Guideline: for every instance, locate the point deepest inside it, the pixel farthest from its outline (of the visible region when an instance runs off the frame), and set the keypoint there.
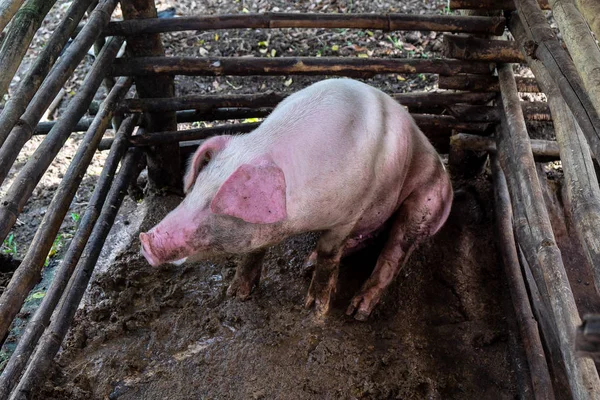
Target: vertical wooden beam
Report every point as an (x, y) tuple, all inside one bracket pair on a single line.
[(583, 192), (528, 327), (534, 232), (462, 162), (164, 172), (581, 44)]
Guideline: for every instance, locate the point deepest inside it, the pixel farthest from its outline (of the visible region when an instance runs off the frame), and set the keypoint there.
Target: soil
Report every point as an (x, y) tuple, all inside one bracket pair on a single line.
[(442, 331)]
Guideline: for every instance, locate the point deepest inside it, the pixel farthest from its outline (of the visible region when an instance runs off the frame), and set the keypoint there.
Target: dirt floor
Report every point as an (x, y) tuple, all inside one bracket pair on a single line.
[(444, 331), (440, 333)]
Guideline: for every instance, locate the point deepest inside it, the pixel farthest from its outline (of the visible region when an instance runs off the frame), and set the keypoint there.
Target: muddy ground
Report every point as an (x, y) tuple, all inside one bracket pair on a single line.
[(442, 331)]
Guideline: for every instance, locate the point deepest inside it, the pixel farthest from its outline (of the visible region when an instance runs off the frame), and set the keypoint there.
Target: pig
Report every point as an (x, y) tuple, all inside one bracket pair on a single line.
[(339, 157)]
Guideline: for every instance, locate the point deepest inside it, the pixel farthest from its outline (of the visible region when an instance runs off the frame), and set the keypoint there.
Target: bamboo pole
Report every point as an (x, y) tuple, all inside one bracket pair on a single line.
[(272, 20), (546, 48), (543, 150), (245, 66), (164, 170), (549, 336), (433, 125), (583, 192), (528, 328), (44, 127), (533, 111), (581, 44), (534, 232), (24, 25), (29, 271), (40, 320), (471, 48), (30, 83), (483, 83), (29, 176), (64, 68), (590, 9), (507, 5), (270, 99), (50, 342), (8, 9)]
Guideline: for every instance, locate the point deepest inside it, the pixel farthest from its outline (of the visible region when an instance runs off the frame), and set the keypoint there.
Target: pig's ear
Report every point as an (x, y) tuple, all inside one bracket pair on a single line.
[(201, 158), (254, 192)]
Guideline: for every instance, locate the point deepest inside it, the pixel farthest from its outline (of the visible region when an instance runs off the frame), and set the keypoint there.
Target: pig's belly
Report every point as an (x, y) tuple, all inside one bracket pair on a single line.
[(371, 224)]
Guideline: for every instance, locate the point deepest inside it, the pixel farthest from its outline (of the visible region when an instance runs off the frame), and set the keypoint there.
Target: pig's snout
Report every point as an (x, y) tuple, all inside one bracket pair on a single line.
[(146, 241)]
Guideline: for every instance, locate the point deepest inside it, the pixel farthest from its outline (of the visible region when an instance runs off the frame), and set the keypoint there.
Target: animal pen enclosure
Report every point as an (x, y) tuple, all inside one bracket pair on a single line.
[(478, 111)]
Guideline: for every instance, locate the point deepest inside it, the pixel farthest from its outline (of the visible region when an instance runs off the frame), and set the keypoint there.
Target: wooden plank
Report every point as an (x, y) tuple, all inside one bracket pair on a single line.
[(535, 235), (271, 20), (245, 66)]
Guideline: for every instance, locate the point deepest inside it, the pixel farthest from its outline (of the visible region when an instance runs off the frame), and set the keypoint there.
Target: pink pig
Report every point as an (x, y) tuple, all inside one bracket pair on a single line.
[(339, 157)]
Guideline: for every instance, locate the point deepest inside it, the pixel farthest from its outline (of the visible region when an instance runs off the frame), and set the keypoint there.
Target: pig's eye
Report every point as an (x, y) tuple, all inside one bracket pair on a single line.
[(205, 160)]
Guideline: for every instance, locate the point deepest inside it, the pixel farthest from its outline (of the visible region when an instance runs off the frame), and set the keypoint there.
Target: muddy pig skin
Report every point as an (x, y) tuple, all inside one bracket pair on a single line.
[(339, 157)]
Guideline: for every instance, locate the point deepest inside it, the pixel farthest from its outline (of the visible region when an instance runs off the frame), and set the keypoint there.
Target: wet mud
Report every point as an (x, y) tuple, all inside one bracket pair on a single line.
[(441, 332)]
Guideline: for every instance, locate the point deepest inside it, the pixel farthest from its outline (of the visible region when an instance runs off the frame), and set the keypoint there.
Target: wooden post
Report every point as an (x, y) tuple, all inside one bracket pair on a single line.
[(465, 163), (269, 20), (34, 77), (583, 192), (590, 10), (543, 150), (50, 342), (471, 48), (245, 66), (24, 25), (164, 172), (204, 103), (28, 272), (528, 328), (22, 132), (41, 318), (484, 83), (8, 9), (581, 44), (507, 5), (536, 237), (544, 46)]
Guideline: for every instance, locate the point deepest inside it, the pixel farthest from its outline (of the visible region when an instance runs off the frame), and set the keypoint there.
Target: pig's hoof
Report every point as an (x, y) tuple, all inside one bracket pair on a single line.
[(241, 290), (361, 306), (321, 302)]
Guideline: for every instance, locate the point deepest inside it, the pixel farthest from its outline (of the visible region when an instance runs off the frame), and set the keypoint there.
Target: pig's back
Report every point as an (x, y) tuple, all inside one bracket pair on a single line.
[(344, 148)]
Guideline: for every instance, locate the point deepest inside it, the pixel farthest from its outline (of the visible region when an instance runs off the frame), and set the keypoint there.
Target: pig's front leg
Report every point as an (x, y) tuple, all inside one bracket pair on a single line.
[(420, 216), (327, 261), (247, 275)]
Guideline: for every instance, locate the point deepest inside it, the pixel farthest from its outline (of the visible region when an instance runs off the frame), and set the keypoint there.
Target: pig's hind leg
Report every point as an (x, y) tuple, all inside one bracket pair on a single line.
[(420, 216), (326, 260), (247, 275)]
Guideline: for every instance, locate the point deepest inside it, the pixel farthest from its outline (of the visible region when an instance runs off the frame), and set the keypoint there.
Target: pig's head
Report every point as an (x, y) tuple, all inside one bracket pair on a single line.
[(227, 199)]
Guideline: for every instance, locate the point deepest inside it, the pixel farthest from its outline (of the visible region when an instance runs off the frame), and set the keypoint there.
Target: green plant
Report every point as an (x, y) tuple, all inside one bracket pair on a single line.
[(56, 246), (10, 245), (75, 217), (395, 42)]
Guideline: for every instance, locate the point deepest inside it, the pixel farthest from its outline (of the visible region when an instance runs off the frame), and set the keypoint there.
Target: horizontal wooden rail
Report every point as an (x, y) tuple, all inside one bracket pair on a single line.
[(508, 5), (543, 150), (435, 127), (269, 20), (483, 83), (245, 66), (470, 48), (271, 99), (533, 111)]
